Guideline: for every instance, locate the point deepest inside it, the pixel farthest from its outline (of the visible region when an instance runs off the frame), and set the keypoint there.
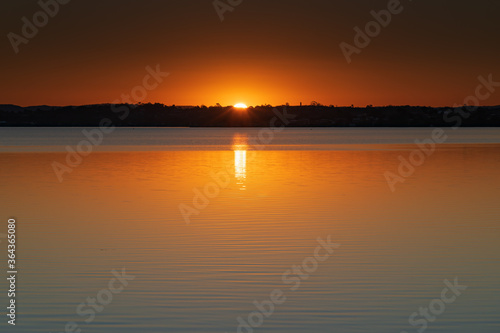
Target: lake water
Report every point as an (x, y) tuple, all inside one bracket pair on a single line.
[(253, 231)]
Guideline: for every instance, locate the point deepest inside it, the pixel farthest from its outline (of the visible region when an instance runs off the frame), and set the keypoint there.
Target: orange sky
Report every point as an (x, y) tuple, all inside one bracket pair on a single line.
[(263, 52)]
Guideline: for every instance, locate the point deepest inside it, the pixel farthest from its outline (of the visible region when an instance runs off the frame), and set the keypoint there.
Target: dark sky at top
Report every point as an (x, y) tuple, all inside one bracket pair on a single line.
[(265, 51)]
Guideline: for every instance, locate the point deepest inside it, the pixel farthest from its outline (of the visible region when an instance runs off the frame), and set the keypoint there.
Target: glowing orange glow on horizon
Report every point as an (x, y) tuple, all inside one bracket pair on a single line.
[(241, 106), (273, 63)]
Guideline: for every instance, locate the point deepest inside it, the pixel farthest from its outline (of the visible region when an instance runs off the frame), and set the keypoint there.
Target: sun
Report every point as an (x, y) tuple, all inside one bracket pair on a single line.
[(241, 106)]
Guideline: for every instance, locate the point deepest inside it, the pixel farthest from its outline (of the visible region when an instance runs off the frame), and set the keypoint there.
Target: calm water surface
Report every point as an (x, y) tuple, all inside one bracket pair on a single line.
[(121, 209)]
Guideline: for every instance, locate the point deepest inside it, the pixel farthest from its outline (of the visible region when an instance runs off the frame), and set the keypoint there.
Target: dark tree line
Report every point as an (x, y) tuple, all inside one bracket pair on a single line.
[(317, 115)]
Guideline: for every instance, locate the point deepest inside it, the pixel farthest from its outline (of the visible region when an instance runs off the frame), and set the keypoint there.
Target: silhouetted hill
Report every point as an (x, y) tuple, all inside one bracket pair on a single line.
[(159, 115)]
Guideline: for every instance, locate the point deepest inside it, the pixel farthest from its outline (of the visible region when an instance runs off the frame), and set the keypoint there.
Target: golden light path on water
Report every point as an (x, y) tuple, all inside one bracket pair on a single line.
[(240, 146), (397, 248)]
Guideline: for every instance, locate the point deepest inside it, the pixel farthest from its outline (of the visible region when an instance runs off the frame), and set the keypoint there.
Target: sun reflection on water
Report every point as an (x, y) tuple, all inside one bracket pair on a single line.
[(240, 146)]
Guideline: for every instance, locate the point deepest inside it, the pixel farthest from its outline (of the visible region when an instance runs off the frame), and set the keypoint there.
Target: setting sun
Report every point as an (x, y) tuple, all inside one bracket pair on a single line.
[(241, 106)]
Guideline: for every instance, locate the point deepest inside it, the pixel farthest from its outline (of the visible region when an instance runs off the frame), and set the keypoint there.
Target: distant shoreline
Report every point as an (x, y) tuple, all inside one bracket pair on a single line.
[(159, 115)]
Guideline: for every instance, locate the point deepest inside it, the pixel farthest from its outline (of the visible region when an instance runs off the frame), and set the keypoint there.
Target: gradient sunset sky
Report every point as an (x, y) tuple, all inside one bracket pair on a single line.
[(265, 51)]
